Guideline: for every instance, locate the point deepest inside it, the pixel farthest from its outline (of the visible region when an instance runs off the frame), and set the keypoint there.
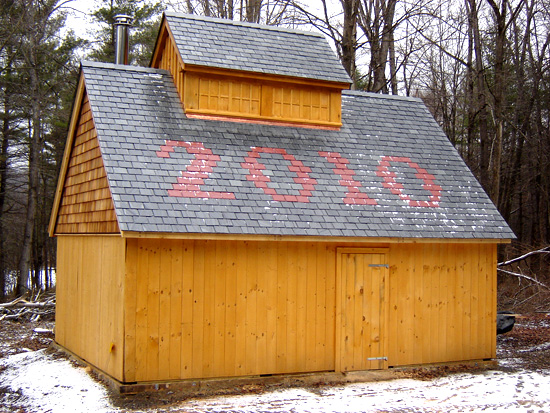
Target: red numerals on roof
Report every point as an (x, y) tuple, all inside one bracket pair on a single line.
[(255, 167), (397, 188), (354, 195), (190, 184)]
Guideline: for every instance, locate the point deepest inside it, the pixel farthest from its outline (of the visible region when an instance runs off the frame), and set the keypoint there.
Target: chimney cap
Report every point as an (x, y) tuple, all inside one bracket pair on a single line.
[(123, 19)]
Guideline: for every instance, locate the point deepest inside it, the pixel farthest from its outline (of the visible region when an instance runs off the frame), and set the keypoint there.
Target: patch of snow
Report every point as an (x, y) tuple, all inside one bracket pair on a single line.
[(42, 330), (493, 390), (52, 385), (540, 347)]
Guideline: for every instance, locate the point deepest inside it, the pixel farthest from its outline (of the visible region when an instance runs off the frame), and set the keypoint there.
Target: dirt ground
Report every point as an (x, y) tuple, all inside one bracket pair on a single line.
[(525, 348)]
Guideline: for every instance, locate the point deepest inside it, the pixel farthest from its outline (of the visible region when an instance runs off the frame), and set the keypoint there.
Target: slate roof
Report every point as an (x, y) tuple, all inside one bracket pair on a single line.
[(251, 47), (389, 171)]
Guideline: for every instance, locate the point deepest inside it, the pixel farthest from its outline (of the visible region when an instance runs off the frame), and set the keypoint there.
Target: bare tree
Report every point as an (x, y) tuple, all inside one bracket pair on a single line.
[(274, 12)]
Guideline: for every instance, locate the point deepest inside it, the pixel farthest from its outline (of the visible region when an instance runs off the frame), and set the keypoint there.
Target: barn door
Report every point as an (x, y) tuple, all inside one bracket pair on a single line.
[(361, 309)]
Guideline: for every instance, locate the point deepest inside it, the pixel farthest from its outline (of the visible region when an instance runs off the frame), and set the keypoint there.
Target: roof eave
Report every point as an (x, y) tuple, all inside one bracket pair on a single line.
[(309, 238)]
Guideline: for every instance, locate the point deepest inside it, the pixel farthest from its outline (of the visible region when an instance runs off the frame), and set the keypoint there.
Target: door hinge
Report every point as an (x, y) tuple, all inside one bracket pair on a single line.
[(379, 265), (377, 358)]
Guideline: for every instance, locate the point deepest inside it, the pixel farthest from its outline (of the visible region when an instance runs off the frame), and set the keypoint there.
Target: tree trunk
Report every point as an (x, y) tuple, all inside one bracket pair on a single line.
[(35, 150), (349, 38), (482, 107), (498, 94), (3, 182)]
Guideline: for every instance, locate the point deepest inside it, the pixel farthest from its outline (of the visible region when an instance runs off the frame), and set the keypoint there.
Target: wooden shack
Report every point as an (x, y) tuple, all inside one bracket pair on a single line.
[(234, 211)]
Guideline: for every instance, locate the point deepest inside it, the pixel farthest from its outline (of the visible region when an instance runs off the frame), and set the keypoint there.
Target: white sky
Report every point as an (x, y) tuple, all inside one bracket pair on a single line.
[(80, 21), (78, 18)]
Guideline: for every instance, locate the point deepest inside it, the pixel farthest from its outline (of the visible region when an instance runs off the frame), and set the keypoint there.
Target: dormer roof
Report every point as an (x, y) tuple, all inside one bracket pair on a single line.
[(228, 44)]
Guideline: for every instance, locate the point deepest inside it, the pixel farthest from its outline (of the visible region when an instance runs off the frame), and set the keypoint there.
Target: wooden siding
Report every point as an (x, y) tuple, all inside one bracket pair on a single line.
[(89, 311), (86, 205), (199, 309), (442, 303), (215, 309), (261, 99)]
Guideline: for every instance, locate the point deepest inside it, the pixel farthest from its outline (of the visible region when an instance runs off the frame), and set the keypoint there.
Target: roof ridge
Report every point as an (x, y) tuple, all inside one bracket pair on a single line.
[(243, 23), (380, 95), (103, 65)]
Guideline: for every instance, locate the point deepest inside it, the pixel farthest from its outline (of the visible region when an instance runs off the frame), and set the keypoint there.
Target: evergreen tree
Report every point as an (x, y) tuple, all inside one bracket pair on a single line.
[(39, 71), (143, 32)]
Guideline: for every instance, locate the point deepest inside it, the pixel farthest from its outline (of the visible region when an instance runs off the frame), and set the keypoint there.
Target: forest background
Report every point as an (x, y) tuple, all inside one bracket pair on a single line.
[(481, 66)]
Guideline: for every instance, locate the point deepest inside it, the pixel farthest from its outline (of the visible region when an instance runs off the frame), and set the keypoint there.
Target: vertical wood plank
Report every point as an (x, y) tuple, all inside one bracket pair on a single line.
[(198, 305), (241, 314), (153, 309), (174, 261), (130, 309), (492, 270), (209, 310), (311, 291), (331, 306), (432, 274), (419, 327), (321, 320), (219, 294), (261, 308), (231, 310), (358, 302), (271, 271), (282, 314), (189, 282), (291, 328), (251, 308), (301, 302), (165, 309)]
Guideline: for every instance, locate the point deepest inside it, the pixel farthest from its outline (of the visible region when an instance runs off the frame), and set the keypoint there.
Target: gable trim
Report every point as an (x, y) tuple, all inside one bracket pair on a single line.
[(77, 106), (164, 34)]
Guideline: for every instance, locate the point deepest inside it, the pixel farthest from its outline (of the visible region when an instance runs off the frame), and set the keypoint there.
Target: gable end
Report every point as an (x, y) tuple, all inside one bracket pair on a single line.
[(86, 205)]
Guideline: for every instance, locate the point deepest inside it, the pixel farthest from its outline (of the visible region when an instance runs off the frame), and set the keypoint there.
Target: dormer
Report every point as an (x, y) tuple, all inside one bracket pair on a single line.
[(243, 71)]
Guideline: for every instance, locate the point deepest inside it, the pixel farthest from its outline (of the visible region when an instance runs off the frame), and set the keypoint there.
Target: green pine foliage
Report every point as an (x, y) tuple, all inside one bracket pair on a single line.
[(143, 32)]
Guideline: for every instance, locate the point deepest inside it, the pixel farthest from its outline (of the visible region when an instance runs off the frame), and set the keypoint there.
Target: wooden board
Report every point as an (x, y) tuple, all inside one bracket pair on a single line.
[(89, 312)]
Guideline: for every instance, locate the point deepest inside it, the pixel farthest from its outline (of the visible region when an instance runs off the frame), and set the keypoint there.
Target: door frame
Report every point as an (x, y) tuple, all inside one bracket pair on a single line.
[(339, 299)]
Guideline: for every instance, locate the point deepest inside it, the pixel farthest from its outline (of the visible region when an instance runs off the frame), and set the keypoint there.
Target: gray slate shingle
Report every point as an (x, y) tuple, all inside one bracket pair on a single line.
[(374, 127), (252, 47)]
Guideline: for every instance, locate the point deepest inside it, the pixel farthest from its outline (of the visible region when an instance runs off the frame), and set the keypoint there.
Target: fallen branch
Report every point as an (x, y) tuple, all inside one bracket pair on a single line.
[(12, 303), (545, 250), (520, 275), (27, 304), (33, 309)]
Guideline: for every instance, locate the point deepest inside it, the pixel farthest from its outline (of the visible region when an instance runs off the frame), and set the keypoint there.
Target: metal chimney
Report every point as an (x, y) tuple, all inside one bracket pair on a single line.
[(122, 23)]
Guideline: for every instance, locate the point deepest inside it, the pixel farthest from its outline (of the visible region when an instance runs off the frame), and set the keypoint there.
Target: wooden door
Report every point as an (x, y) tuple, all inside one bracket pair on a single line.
[(361, 309)]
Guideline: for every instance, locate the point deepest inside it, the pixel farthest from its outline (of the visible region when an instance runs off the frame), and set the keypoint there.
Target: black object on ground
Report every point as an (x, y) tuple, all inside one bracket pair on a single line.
[(505, 321)]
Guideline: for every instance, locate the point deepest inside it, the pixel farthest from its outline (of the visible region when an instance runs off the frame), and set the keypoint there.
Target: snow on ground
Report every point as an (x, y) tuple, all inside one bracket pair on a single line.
[(493, 390), (42, 382)]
